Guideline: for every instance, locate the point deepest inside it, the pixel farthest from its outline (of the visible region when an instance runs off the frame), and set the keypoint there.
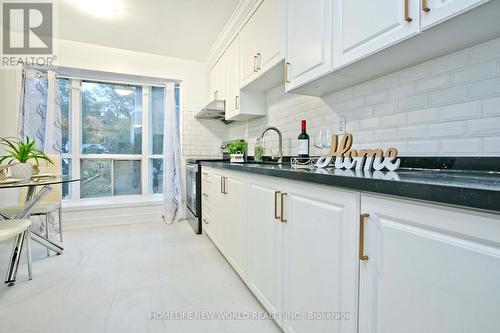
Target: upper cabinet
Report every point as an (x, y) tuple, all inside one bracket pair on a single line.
[(261, 41), (436, 11), (308, 40), (333, 44), (364, 27), (232, 78), (218, 79)]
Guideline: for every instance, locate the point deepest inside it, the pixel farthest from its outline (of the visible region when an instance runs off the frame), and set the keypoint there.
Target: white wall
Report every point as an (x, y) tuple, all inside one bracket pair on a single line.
[(448, 106)]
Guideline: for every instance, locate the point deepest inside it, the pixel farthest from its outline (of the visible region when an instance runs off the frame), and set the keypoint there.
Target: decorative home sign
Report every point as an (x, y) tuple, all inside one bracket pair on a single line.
[(347, 158)]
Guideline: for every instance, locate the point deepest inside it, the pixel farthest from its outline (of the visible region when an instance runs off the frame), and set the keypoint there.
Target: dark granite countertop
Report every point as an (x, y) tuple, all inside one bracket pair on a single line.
[(466, 188)]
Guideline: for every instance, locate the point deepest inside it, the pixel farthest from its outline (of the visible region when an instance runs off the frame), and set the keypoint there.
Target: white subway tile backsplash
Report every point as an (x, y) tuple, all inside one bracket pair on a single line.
[(369, 123), (491, 106), (461, 111), (492, 146), (448, 62), (471, 146), (450, 95), (433, 82), (394, 120), (485, 88), (401, 91), (482, 71), (414, 102), (485, 51), (446, 106), (423, 147), (450, 129), (376, 98), (423, 116), (484, 126)]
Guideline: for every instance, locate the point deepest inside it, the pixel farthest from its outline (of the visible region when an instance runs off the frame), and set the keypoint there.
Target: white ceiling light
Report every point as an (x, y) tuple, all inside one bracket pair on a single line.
[(102, 8), (123, 92)]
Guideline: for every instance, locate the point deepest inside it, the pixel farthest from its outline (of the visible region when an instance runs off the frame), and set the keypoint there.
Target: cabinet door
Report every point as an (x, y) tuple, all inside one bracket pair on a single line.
[(233, 78), (270, 26), (308, 40), (429, 269), (248, 51), (217, 214), (361, 28), (436, 11), (218, 79), (234, 222), (265, 247), (321, 264)]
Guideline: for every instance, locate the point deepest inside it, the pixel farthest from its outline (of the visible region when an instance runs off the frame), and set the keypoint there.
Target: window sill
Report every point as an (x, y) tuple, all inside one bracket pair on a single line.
[(113, 202)]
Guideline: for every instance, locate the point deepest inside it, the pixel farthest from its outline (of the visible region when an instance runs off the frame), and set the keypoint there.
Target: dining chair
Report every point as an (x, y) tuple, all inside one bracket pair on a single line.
[(13, 228), (50, 204)]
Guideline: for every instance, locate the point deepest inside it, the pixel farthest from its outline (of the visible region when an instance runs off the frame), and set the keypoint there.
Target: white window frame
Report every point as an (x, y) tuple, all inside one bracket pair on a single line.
[(75, 139)]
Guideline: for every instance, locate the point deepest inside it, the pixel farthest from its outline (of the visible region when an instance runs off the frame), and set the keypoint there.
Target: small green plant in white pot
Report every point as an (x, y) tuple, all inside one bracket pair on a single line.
[(18, 153), (237, 150)]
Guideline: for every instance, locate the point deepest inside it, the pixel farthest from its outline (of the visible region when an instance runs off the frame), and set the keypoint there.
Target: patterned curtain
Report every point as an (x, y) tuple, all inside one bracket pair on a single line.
[(173, 194), (40, 117)]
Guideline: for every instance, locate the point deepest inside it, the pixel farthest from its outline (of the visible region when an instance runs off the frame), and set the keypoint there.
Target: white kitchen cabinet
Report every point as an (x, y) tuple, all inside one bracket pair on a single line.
[(361, 27), (270, 29), (218, 79), (224, 211), (265, 242), (248, 51), (261, 41), (436, 11), (321, 264), (308, 41), (234, 221), (233, 79), (429, 269), (216, 218)]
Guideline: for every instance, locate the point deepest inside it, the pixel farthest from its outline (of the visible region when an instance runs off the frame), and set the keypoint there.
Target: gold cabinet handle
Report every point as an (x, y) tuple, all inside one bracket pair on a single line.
[(282, 218), (287, 65), (407, 15), (362, 219), (425, 6), (225, 185), (206, 221), (221, 186), (255, 63), (276, 216), (259, 61), (205, 195), (236, 102)]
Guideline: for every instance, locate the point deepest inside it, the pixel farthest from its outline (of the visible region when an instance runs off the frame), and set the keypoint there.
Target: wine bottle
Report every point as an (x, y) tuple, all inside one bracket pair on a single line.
[(303, 141)]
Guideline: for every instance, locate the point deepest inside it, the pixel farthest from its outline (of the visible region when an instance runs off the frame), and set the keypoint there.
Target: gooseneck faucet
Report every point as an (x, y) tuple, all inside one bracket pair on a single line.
[(280, 137)]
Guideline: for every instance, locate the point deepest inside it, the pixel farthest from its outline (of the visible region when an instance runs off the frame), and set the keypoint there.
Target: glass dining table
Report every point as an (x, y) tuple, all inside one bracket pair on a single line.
[(37, 189)]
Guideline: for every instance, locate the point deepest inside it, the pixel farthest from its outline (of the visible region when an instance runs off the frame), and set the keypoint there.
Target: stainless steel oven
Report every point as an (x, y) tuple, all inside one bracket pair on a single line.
[(193, 184)]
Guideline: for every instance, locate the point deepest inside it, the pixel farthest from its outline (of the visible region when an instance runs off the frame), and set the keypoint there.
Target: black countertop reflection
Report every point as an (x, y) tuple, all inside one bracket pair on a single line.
[(467, 188)]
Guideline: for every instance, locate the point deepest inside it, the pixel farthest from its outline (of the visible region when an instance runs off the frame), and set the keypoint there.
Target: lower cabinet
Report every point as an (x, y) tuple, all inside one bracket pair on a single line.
[(325, 259), (428, 269), (265, 243), (321, 263)]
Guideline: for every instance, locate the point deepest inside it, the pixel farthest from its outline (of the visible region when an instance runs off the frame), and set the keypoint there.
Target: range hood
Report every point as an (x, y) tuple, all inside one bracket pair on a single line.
[(214, 110)]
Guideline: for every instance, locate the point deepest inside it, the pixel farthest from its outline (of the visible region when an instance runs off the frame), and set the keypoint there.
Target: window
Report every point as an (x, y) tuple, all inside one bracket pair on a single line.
[(112, 134)]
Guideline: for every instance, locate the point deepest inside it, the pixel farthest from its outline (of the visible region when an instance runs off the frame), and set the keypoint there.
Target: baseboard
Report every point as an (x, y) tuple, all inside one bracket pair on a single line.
[(103, 217)]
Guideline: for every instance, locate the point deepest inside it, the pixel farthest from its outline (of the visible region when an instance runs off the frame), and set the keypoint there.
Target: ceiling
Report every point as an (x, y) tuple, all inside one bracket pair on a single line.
[(178, 28)]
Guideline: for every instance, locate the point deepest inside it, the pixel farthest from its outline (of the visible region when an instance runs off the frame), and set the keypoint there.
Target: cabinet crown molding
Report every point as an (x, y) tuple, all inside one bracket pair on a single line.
[(238, 19)]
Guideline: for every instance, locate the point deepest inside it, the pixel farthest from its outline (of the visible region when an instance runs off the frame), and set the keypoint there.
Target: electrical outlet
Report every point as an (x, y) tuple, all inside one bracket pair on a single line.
[(340, 125)]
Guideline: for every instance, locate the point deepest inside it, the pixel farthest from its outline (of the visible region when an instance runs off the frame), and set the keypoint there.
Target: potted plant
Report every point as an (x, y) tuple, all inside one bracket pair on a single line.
[(237, 151), (18, 153)]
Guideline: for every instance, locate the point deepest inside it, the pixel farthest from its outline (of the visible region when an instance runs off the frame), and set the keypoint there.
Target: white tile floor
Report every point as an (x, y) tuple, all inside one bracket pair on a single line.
[(111, 279)]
